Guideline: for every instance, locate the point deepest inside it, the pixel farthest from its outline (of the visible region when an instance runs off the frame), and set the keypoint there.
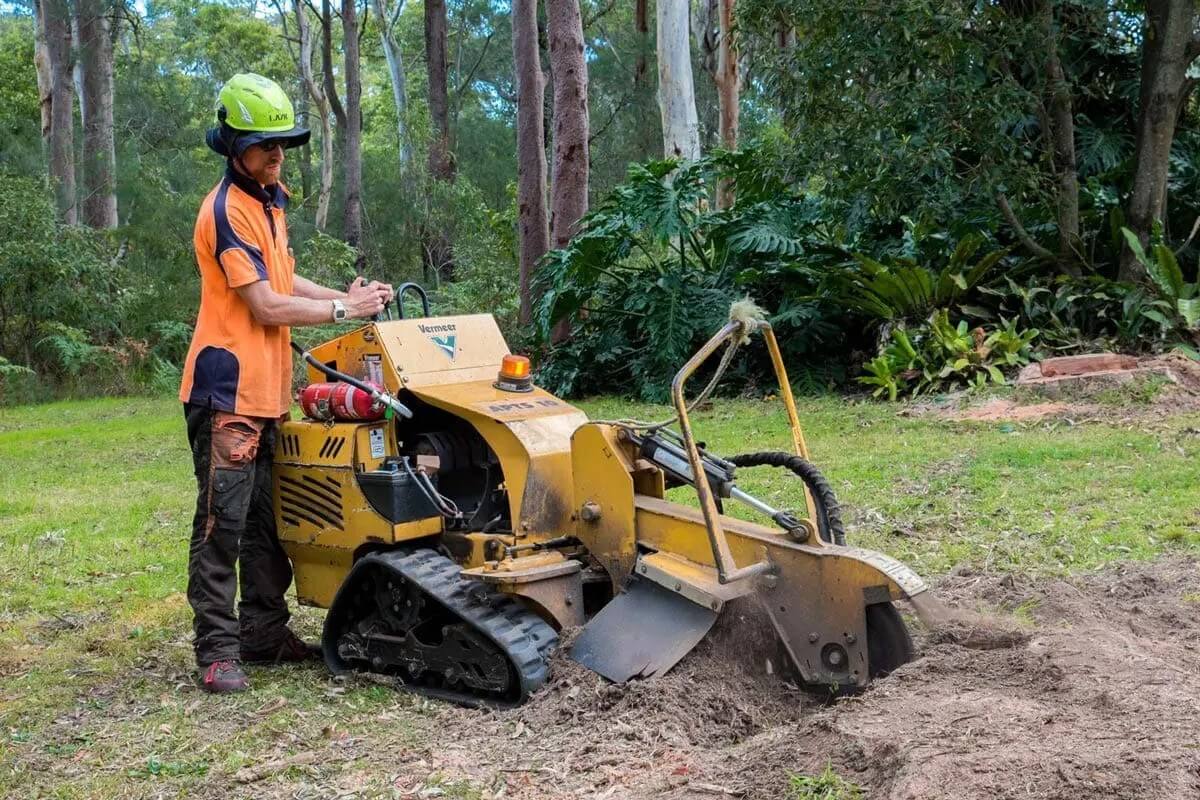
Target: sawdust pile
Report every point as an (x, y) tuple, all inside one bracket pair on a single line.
[(1097, 697)]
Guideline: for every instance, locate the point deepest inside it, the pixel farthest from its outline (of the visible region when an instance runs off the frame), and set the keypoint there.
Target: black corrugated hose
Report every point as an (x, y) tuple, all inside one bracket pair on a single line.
[(829, 513)]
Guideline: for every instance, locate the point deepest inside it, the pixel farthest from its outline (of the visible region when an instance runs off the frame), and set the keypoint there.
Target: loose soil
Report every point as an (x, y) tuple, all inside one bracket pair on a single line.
[(1074, 688)]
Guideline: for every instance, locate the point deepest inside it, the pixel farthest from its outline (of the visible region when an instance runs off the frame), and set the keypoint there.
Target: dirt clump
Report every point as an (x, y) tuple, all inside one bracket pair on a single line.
[(1091, 694), (1010, 410)]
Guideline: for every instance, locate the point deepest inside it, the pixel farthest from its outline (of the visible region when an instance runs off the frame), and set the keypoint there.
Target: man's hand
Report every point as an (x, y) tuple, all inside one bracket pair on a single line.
[(366, 299), (385, 288)]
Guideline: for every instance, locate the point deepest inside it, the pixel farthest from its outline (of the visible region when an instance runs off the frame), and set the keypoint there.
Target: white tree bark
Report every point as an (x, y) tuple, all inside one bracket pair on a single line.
[(54, 28), (676, 90), (317, 93), (532, 230), (728, 93), (352, 228), (395, 62)]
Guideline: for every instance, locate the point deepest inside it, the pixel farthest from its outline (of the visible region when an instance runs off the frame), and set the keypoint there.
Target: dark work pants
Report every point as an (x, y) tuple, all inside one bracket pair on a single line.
[(234, 531)]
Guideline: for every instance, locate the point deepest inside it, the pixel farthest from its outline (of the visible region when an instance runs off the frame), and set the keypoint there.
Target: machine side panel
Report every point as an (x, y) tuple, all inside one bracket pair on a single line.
[(601, 469), (322, 515)]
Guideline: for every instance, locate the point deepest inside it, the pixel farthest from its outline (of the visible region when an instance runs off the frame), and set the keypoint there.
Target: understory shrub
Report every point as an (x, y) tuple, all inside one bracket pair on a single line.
[(654, 269), (941, 355)]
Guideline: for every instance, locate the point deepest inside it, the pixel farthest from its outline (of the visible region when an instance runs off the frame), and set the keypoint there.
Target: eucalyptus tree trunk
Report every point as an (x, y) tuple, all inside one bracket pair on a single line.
[(304, 118), (395, 62), (438, 249), (532, 231), (352, 213), (676, 91), (1059, 117), (569, 180), (95, 79), (41, 63), (641, 24), (327, 77), (54, 28), (441, 160), (321, 101), (728, 91), (1168, 48)]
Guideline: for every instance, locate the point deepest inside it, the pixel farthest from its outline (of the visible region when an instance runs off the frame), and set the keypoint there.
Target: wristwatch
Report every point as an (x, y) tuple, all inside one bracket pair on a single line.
[(339, 311)]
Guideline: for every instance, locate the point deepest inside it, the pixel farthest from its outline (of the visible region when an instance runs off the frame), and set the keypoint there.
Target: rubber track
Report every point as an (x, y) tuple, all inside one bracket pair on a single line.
[(522, 635), (829, 512)]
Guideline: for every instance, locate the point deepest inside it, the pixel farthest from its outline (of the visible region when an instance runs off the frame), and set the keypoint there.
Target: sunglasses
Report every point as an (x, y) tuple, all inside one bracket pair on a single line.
[(269, 145)]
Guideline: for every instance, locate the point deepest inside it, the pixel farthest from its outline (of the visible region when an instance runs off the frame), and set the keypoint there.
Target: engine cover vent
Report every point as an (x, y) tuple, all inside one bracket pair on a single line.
[(313, 500), (333, 446), (289, 443)]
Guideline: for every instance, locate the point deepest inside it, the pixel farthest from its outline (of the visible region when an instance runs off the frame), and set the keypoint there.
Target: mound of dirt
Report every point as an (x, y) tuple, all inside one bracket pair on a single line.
[(1097, 697)]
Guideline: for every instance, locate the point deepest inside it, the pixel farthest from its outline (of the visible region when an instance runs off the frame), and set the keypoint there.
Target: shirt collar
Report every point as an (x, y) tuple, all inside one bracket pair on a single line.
[(276, 194)]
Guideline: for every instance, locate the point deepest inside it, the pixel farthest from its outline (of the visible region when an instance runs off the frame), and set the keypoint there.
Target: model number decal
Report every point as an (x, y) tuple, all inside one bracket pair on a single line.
[(522, 408)]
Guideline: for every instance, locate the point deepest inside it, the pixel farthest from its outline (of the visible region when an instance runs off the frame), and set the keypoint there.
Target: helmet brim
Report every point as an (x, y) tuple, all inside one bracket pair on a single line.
[(296, 137)]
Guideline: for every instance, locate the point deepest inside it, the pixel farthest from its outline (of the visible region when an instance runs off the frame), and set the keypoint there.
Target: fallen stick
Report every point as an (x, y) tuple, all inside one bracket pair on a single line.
[(269, 768)]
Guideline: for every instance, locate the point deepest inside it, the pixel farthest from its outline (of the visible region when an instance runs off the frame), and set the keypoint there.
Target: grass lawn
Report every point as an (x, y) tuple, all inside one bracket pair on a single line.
[(96, 497)]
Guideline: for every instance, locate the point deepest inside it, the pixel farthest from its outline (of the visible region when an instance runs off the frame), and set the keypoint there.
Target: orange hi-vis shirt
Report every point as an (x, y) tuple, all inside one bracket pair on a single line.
[(236, 364)]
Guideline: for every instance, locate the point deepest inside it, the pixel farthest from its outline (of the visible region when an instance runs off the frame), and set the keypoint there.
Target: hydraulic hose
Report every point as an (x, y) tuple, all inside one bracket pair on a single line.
[(829, 513)]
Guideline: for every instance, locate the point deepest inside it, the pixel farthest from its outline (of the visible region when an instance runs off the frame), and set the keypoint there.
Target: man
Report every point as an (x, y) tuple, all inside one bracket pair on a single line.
[(237, 384)]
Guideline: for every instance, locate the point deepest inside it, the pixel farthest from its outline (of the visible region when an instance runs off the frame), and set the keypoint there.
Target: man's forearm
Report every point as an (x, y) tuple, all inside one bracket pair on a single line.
[(270, 308), (303, 287)]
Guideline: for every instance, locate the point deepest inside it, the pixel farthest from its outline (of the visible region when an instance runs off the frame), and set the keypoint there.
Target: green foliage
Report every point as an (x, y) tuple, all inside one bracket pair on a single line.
[(654, 269), (941, 355), (901, 108), (1174, 306), (828, 785), (486, 279), (19, 108), (327, 260), (907, 290), (65, 298), (14, 378), (1073, 314)]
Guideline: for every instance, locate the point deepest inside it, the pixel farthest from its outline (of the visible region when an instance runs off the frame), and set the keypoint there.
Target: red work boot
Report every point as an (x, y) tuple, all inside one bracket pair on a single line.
[(224, 677), (290, 649)]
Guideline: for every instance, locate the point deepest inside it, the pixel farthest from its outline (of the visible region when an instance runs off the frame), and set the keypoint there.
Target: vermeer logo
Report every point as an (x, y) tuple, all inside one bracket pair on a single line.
[(444, 336)]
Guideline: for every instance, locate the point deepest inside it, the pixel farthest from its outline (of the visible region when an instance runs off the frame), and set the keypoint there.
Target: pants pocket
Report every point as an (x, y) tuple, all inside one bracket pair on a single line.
[(235, 439), (231, 493)]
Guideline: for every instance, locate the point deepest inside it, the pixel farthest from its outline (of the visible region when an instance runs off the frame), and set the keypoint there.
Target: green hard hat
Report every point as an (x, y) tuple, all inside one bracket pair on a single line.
[(252, 109)]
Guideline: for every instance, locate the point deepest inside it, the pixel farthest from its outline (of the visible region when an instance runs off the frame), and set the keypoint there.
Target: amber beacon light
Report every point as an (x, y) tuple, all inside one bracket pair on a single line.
[(514, 374)]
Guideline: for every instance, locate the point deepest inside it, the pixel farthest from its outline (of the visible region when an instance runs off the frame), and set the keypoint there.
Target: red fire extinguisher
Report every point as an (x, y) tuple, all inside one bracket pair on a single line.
[(339, 401)]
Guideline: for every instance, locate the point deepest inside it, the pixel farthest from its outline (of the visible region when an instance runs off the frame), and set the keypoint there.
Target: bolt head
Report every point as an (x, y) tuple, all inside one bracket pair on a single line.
[(813, 638)]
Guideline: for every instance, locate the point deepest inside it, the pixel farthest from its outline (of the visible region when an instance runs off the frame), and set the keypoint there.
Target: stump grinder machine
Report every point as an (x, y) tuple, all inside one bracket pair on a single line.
[(454, 518)]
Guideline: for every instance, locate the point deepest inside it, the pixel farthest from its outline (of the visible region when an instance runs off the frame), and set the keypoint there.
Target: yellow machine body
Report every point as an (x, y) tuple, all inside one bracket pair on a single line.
[(562, 476)]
